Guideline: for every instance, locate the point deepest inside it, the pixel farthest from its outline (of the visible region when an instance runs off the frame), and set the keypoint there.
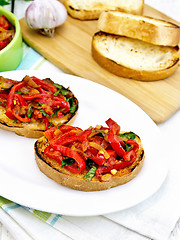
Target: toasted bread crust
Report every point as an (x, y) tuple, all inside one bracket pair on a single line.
[(89, 13), (75, 181), (148, 29), (29, 131), (123, 71)]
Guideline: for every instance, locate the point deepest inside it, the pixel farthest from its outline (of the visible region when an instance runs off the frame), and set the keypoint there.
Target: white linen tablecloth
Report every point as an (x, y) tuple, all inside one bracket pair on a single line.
[(155, 218)]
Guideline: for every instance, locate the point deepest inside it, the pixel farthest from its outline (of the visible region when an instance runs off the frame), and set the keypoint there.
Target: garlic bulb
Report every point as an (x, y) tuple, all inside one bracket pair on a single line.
[(45, 16)]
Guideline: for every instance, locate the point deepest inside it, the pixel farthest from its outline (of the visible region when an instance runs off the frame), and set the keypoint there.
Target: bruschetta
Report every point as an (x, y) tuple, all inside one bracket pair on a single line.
[(95, 159), (31, 106)]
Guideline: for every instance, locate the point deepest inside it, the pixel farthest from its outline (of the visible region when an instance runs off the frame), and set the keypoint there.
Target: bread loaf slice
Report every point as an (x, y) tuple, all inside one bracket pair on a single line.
[(132, 58), (144, 28), (91, 9)]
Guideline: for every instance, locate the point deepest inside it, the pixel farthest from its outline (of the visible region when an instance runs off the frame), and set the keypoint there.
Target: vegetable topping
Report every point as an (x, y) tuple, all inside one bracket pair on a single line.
[(7, 32), (94, 151), (34, 99)]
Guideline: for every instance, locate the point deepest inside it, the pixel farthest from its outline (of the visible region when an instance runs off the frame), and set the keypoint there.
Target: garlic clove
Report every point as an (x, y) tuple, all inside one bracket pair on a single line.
[(45, 15)]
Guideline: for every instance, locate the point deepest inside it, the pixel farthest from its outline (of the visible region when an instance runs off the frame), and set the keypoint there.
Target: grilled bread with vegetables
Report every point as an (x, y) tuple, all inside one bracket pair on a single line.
[(31, 106), (136, 47), (91, 9), (95, 159)]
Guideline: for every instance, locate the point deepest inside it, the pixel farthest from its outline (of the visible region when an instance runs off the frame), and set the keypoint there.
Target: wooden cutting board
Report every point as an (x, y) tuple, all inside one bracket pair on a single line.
[(70, 50)]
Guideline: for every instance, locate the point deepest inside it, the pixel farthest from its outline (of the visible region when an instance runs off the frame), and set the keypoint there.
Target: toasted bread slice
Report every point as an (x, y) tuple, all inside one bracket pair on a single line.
[(144, 28), (59, 174), (91, 9), (132, 58), (36, 127)]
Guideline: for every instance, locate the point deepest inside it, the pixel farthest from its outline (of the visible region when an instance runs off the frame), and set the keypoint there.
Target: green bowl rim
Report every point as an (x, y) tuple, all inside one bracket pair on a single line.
[(15, 22)]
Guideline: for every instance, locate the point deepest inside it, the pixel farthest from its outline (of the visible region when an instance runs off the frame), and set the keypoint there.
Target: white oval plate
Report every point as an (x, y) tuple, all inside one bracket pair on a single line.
[(21, 181)]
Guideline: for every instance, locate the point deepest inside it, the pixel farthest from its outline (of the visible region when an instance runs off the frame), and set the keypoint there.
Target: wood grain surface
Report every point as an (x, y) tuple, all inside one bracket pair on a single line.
[(70, 50)]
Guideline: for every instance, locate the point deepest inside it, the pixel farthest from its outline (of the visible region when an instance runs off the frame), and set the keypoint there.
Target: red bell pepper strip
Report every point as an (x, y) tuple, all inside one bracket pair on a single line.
[(65, 151), (66, 138), (21, 119), (49, 134), (11, 93), (3, 97), (10, 103), (103, 169), (61, 103), (112, 138), (41, 90), (65, 128), (3, 43), (34, 96), (7, 31), (130, 156), (60, 114), (4, 22), (113, 125), (56, 155), (117, 166), (50, 102), (21, 99), (46, 122), (48, 86), (72, 168), (116, 145), (99, 159), (134, 144)]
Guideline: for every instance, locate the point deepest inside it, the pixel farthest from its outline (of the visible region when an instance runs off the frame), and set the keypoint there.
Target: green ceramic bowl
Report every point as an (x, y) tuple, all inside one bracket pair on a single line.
[(11, 55)]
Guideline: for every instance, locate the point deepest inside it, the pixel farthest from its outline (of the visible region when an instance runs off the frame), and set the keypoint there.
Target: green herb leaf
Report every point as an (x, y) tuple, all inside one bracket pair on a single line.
[(2, 103), (25, 92), (57, 93), (72, 105), (43, 112), (88, 177), (127, 147), (29, 112), (58, 86), (60, 89), (54, 114), (128, 135), (73, 108), (51, 124), (64, 92), (18, 92), (67, 161), (40, 104)]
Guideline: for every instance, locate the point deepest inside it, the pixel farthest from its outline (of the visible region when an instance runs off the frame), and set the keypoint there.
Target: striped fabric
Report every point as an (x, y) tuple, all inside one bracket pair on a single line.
[(49, 218), (31, 59), (64, 228)]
